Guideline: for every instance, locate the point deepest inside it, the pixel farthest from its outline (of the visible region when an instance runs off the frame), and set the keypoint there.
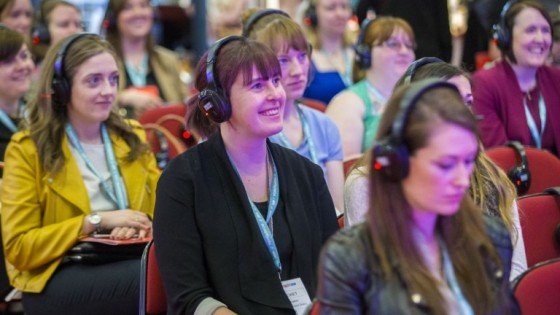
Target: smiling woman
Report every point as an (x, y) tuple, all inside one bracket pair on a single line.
[(16, 67), (76, 169), (150, 73), (518, 99), (239, 218)]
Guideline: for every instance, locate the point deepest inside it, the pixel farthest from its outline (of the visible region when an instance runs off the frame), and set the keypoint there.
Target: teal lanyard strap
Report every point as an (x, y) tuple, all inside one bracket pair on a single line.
[(274, 195), (373, 90), (535, 134), (307, 137), (118, 197), (464, 306), (7, 121), (138, 76)]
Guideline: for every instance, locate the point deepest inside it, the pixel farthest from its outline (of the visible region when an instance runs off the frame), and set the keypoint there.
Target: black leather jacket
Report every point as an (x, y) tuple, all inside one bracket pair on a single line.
[(351, 280)]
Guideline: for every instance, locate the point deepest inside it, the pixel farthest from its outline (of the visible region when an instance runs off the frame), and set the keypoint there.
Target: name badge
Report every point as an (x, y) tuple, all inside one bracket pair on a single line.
[(296, 292)]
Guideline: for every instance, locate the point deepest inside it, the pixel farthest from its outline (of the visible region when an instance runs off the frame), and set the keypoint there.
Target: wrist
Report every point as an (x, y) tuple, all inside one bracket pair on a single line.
[(95, 219)]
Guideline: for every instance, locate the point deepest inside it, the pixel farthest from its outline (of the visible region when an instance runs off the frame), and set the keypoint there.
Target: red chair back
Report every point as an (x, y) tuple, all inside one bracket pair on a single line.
[(539, 215), (340, 220), (538, 289), (152, 295), (163, 142), (544, 167), (315, 104), (172, 118)]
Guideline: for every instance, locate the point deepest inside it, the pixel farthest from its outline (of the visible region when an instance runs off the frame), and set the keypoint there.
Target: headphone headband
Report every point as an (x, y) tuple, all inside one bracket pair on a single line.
[(212, 101), (212, 57), (390, 154), (500, 31), (363, 50), (60, 84), (410, 98), (255, 17), (413, 67), (520, 174)]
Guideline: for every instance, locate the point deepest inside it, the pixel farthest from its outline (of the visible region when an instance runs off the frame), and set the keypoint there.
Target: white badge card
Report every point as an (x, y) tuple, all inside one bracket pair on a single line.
[(296, 292)]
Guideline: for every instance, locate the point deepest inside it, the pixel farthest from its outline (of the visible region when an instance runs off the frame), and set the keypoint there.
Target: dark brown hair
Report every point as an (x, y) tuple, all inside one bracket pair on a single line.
[(237, 57), (10, 43), (114, 9)]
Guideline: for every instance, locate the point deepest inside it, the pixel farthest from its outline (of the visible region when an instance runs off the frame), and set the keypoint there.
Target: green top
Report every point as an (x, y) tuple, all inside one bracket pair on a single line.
[(371, 117)]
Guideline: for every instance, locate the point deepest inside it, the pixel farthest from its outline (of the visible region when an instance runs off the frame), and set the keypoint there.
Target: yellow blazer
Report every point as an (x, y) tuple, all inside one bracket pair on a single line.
[(42, 212)]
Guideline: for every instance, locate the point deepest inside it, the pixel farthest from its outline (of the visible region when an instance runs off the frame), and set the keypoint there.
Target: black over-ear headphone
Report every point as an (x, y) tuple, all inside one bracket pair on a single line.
[(310, 15), (500, 31), (520, 174), (60, 84), (255, 17), (213, 101), (40, 33), (390, 154), (363, 50), (413, 67)]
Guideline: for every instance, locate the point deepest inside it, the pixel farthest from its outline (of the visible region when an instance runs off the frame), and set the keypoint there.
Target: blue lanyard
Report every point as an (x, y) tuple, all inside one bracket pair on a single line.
[(6, 121), (306, 137), (274, 195), (373, 90), (119, 196), (347, 77), (537, 137), (464, 306), (138, 77)]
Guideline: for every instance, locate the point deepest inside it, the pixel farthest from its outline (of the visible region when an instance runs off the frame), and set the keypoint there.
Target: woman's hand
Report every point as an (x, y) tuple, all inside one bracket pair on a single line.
[(223, 311), (139, 100), (126, 224)]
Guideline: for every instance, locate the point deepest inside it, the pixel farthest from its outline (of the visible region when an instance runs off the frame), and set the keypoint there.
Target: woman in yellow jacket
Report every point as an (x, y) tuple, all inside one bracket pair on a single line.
[(78, 169)]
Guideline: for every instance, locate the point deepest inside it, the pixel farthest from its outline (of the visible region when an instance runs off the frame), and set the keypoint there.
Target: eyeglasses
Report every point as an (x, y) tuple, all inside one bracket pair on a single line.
[(396, 45)]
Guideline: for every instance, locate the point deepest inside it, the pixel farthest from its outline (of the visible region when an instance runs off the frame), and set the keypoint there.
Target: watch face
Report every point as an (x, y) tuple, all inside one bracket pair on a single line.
[(94, 219)]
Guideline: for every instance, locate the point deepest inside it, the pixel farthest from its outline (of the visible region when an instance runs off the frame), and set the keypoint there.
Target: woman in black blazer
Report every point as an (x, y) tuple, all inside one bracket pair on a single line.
[(239, 220)]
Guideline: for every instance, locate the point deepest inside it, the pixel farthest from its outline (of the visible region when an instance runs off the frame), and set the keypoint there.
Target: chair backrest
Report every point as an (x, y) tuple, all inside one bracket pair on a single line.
[(164, 145), (537, 290), (315, 104), (539, 215), (152, 115), (172, 118), (152, 295), (544, 167), (340, 220)]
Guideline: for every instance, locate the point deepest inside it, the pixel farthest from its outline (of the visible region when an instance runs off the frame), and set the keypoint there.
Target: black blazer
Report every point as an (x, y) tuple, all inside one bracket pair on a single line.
[(207, 239)]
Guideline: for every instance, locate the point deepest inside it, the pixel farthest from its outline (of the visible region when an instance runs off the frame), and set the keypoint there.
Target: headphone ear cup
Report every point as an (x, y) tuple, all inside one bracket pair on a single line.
[(521, 179), (501, 35), (41, 35), (109, 21), (60, 93), (214, 105), (391, 160), (363, 56), (310, 16)]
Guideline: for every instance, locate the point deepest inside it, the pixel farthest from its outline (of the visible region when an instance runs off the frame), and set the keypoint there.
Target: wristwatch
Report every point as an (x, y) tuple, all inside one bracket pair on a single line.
[(95, 220)]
